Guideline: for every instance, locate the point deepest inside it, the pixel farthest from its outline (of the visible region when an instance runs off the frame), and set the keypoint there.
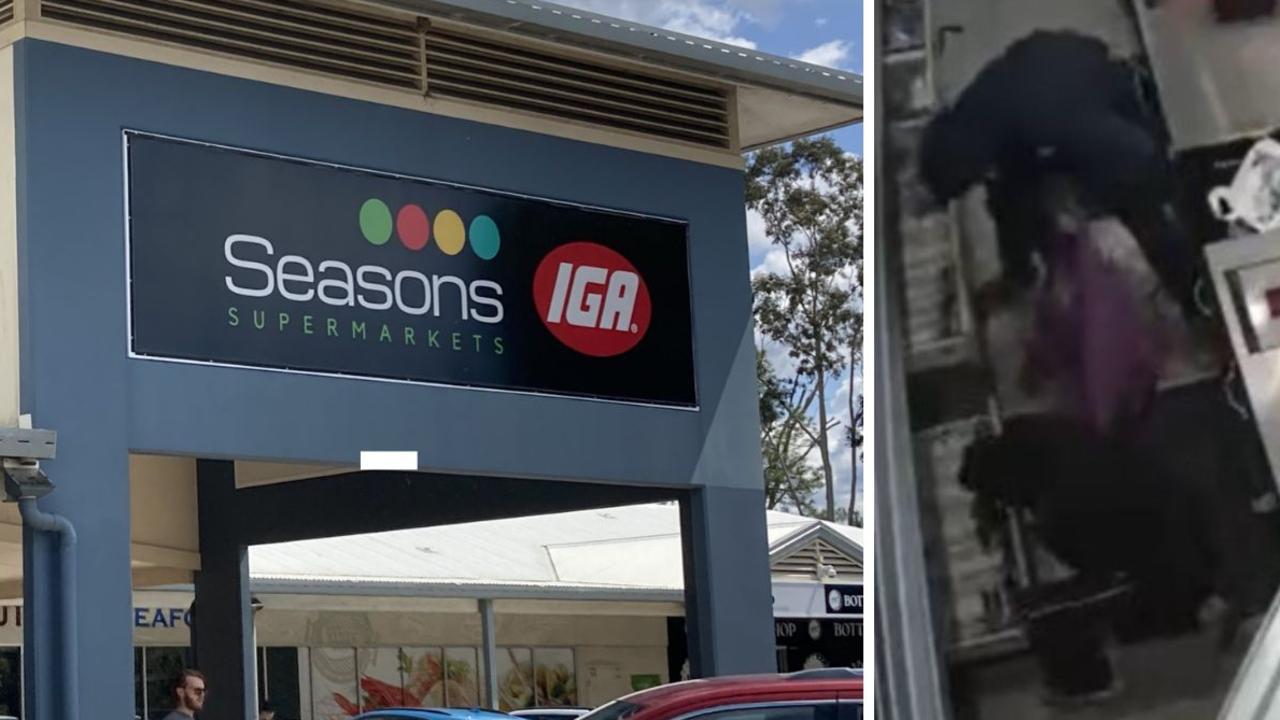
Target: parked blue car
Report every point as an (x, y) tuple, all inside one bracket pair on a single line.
[(433, 714)]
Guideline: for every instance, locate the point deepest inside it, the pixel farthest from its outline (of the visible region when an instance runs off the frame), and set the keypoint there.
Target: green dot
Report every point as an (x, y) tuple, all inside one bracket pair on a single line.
[(375, 221), (484, 237)]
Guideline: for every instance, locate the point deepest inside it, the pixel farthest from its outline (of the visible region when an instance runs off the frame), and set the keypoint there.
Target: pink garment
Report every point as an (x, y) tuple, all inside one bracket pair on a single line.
[(1095, 332)]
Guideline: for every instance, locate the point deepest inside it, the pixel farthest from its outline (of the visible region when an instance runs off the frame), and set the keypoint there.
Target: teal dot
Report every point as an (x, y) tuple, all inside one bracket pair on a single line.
[(484, 237), (375, 221)]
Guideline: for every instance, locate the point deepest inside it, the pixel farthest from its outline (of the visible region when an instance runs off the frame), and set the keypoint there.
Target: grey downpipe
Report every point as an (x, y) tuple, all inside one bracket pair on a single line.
[(42, 521)]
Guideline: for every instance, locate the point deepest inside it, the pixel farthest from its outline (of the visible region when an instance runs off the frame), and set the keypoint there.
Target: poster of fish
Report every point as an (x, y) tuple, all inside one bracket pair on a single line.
[(381, 678), (333, 684)]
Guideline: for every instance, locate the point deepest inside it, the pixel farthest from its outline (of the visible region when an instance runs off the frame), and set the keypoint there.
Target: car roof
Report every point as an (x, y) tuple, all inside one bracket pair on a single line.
[(462, 713), (711, 689)]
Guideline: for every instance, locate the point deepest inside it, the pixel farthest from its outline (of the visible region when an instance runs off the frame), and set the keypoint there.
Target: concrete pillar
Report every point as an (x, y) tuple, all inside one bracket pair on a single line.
[(69, 385), (728, 595), (222, 638), (40, 637), (92, 492)]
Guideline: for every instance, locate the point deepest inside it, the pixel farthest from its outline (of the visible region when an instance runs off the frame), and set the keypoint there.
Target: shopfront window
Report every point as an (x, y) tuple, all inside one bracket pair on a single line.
[(343, 682), (555, 677), (278, 681), (462, 677), (515, 679), (11, 681), (1083, 201), (160, 665), (139, 683), (813, 643)]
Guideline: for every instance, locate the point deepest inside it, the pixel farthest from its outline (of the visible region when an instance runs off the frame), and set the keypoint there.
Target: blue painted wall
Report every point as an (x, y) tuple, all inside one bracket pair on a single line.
[(76, 378)]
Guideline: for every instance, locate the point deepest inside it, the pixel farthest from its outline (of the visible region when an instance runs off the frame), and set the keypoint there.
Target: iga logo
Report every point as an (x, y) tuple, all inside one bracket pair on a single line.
[(592, 299)]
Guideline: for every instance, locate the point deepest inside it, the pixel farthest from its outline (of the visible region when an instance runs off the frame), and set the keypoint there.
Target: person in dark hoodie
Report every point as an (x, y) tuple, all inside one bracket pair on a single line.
[(1104, 509), (1058, 103), (1136, 537)]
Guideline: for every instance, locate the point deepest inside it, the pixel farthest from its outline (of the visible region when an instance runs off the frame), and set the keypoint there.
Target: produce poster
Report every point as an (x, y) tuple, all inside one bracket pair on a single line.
[(333, 683), (423, 676), (462, 681), (515, 678), (554, 677), (347, 681)]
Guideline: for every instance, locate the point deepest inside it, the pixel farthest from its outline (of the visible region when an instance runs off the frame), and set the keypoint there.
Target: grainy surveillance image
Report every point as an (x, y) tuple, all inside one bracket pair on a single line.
[(1078, 300)]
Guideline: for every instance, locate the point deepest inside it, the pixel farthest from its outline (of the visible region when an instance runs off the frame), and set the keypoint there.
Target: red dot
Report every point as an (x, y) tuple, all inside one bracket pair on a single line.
[(413, 227)]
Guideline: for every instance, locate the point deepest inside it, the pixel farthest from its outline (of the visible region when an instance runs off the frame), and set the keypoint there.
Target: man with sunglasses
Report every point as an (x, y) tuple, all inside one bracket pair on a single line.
[(189, 691)]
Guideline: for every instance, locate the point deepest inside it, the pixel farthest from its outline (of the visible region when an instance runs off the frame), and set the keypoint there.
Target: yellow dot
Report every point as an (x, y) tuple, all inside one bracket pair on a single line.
[(450, 234)]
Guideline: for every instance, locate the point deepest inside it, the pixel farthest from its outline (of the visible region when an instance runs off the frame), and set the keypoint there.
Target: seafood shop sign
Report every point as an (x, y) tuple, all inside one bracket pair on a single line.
[(151, 624)]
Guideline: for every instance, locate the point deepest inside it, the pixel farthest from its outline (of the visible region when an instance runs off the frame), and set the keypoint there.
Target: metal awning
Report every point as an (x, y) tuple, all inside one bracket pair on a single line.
[(778, 98)]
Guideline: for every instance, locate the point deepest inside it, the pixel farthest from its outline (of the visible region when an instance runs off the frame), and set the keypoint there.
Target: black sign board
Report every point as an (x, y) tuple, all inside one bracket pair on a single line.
[(843, 599), (807, 643), (800, 643), (247, 259)]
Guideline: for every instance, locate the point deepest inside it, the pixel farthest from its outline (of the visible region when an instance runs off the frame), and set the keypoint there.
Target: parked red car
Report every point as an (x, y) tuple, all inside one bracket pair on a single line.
[(812, 695)]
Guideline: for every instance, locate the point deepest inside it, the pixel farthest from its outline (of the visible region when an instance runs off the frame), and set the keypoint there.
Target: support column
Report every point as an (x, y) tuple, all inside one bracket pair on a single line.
[(40, 637), (222, 639), (489, 653), (728, 595), (92, 492)]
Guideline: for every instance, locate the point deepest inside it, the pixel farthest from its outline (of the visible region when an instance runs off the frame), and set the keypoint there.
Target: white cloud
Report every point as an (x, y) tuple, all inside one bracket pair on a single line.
[(775, 261), (784, 366), (757, 239), (720, 21), (819, 21), (834, 54), (763, 12)]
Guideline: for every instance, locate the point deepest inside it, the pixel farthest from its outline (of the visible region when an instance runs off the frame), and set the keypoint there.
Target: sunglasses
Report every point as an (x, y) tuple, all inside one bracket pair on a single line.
[(197, 691)]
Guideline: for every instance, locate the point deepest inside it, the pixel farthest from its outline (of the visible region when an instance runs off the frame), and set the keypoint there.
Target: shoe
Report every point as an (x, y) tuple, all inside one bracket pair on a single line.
[(1058, 699)]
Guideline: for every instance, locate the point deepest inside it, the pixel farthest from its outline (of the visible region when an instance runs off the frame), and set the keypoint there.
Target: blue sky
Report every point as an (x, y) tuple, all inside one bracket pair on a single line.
[(825, 32)]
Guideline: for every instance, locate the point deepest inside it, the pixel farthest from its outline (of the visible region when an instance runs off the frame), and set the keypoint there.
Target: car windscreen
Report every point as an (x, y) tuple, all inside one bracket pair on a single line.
[(616, 710)]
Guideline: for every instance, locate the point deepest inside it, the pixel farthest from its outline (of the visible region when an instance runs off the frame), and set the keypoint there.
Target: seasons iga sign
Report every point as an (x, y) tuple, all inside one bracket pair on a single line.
[(256, 260)]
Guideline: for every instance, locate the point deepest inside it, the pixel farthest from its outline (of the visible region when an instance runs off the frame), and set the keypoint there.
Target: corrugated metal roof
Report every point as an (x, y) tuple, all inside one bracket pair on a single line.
[(550, 21), (606, 552)]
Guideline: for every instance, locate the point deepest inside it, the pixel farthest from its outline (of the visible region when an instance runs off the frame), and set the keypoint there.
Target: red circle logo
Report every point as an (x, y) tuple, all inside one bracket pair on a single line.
[(592, 299)]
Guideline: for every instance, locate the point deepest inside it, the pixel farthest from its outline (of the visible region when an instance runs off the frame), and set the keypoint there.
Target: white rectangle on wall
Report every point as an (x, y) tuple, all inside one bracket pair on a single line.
[(388, 460)]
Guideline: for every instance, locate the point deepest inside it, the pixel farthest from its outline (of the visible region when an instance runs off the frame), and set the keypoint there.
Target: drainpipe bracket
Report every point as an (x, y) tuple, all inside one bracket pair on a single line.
[(23, 478)]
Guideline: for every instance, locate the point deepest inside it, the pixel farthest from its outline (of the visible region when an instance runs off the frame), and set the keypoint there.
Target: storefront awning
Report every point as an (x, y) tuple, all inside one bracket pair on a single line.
[(778, 98)]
